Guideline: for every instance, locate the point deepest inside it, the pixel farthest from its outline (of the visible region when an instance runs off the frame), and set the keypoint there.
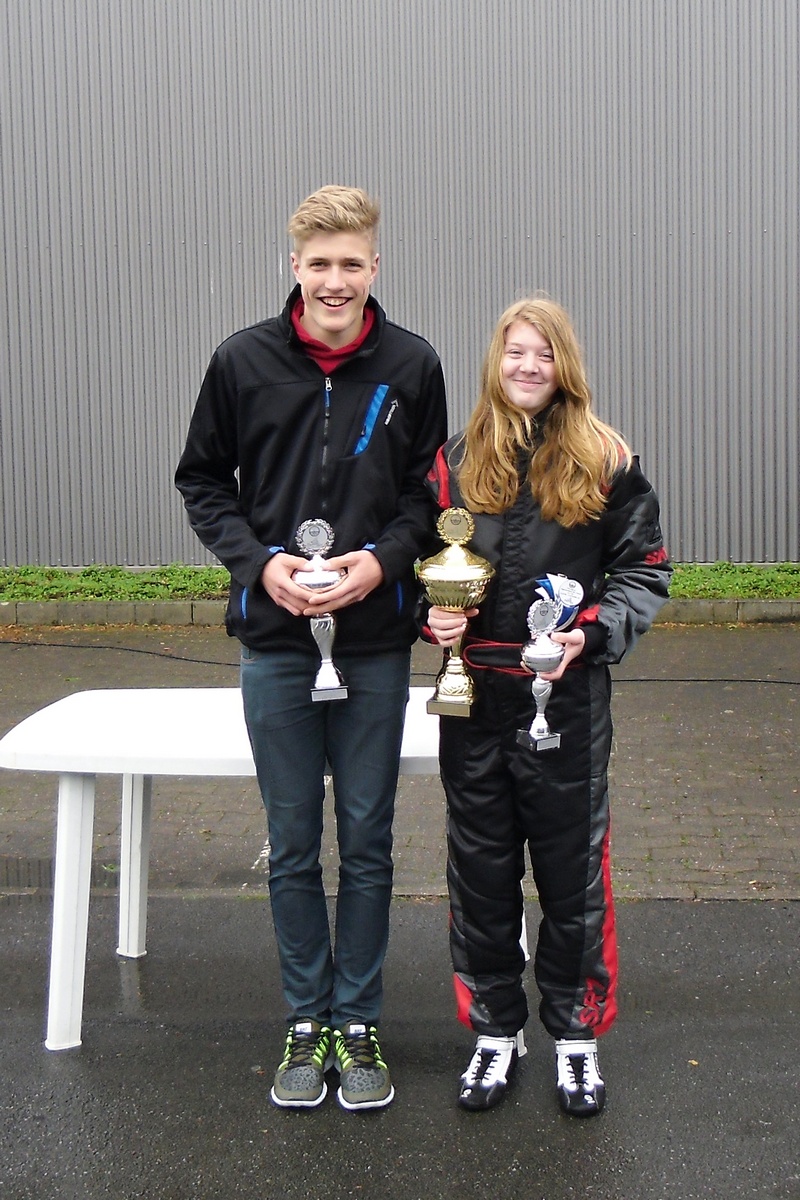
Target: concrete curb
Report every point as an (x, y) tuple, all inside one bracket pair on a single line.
[(212, 612), (728, 612), (98, 612)]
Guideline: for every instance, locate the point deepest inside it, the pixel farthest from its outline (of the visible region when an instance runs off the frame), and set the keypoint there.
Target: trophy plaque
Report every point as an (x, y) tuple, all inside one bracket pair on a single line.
[(314, 538), (454, 579), (556, 609)]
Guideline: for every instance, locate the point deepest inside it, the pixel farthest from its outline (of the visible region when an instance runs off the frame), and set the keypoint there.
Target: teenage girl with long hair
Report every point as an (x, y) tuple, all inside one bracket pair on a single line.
[(552, 490)]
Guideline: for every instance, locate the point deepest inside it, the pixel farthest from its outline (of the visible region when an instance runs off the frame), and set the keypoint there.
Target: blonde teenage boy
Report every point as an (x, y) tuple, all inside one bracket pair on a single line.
[(330, 413)]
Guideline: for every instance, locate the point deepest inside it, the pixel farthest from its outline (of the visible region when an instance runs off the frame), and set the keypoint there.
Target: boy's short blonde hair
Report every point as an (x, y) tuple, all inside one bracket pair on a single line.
[(335, 209)]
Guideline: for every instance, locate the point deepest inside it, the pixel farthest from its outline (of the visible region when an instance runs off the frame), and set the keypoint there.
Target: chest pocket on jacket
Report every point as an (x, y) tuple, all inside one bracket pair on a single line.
[(371, 418)]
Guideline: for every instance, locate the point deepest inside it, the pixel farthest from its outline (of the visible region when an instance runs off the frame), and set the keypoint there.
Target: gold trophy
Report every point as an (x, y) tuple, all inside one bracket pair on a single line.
[(454, 579)]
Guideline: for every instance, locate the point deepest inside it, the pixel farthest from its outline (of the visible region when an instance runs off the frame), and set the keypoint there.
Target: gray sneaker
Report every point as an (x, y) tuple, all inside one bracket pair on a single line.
[(364, 1081), (300, 1079)]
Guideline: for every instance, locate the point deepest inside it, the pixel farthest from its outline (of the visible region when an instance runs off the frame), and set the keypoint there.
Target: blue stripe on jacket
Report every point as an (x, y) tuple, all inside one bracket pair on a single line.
[(372, 417)]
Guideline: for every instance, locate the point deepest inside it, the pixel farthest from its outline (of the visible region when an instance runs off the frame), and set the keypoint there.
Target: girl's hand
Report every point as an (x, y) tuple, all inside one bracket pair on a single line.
[(448, 627), (573, 642)]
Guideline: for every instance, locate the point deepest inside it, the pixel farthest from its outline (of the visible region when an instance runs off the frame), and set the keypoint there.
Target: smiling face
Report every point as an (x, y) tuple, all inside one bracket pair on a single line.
[(335, 272), (527, 368)]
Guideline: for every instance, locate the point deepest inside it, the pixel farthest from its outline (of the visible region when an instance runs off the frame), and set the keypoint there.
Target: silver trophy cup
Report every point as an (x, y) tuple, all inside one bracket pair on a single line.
[(314, 539), (555, 610)]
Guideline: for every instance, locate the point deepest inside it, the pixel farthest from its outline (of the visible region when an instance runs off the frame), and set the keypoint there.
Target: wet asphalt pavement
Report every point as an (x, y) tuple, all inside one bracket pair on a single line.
[(167, 1097)]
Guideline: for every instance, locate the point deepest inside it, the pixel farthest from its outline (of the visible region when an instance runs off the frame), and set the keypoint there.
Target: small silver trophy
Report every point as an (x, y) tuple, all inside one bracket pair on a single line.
[(556, 609), (314, 538)]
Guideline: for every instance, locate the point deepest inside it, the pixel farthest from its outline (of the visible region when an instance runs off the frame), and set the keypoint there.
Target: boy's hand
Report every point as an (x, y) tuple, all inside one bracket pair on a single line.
[(279, 585), (363, 573)]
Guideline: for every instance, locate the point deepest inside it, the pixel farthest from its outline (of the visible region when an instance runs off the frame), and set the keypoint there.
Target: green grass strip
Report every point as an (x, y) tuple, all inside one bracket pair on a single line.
[(175, 582), (691, 581)]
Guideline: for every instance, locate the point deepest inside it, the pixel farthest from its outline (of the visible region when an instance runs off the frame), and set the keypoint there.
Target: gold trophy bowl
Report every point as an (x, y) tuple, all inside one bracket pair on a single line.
[(454, 579)]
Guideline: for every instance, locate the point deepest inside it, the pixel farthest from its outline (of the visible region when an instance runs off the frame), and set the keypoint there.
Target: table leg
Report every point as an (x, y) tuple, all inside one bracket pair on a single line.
[(134, 864), (523, 941), (70, 910)]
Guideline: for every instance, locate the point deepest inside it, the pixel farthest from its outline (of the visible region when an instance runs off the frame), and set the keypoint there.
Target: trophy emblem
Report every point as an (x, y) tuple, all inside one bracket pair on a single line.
[(314, 538), (454, 579), (555, 610)]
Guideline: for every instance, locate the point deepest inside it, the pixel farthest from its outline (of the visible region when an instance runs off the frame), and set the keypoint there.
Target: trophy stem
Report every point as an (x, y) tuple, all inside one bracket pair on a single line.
[(542, 691), (540, 736), (455, 649), (328, 684)]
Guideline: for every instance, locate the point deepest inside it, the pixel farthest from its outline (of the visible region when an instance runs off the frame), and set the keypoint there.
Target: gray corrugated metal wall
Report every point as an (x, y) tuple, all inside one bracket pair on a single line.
[(637, 161)]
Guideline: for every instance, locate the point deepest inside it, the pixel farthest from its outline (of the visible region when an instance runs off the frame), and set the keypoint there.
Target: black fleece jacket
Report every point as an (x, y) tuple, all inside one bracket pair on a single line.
[(274, 442)]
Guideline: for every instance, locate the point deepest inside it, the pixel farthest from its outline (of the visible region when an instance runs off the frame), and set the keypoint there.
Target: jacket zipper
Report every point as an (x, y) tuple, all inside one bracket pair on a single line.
[(325, 424)]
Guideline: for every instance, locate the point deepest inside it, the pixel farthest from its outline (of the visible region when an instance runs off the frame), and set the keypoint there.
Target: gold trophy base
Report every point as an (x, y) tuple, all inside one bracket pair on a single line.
[(454, 692), (448, 708)]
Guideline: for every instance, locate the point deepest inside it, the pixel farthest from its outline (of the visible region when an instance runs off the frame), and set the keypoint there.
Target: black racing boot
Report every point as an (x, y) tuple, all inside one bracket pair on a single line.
[(581, 1091)]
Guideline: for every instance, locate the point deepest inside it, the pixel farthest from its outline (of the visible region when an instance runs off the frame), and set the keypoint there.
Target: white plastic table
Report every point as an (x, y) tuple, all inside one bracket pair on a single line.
[(138, 734)]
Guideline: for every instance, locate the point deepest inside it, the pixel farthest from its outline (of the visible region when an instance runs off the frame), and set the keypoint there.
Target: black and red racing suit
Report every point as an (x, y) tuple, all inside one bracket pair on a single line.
[(501, 796)]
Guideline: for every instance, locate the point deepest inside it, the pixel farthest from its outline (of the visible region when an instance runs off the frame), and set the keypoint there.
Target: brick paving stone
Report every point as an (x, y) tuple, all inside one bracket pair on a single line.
[(704, 775)]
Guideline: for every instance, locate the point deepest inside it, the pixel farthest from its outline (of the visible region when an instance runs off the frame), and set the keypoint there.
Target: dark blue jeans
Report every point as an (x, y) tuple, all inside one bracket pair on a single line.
[(293, 738)]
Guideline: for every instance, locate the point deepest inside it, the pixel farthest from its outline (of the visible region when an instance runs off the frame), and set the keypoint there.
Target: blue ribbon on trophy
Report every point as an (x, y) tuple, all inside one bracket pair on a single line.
[(555, 609), (313, 539)]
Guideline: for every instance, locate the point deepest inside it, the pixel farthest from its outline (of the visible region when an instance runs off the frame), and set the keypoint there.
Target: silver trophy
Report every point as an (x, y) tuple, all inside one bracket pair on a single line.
[(556, 609), (315, 538)]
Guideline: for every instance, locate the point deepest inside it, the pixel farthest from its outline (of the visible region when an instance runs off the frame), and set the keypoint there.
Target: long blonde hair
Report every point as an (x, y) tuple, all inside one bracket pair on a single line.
[(575, 454)]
